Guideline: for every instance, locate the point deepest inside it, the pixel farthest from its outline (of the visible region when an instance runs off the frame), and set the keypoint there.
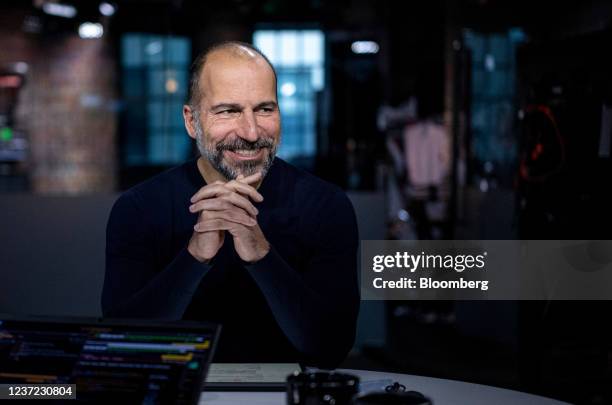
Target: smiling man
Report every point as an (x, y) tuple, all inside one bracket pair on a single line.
[(238, 236)]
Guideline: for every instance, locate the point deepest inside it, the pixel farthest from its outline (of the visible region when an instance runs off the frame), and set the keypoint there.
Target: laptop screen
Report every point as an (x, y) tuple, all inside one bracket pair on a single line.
[(109, 361)]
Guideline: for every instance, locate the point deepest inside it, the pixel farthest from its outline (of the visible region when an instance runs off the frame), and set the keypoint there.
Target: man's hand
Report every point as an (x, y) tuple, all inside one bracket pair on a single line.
[(226, 207)]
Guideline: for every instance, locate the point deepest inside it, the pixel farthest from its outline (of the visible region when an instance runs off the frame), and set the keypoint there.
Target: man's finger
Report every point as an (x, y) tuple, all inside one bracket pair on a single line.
[(239, 201), (224, 203), (245, 189), (236, 216), (216, 190), (215, 225), (253, 178)]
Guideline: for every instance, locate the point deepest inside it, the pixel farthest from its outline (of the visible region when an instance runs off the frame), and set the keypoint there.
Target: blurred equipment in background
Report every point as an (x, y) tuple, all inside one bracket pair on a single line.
[(565, 140), (13, 141), (417, 184), (321, 388), (427, 153)]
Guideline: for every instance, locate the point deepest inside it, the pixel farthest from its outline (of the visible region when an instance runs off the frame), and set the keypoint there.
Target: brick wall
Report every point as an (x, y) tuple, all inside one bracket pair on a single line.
[(67, 108)]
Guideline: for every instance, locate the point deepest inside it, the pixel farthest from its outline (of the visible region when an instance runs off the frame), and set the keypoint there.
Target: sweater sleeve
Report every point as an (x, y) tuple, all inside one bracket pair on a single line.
[(317, 308), (133, 287)]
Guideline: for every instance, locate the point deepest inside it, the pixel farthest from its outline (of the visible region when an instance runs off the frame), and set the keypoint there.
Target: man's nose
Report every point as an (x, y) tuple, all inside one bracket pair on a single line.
[(248, 126)]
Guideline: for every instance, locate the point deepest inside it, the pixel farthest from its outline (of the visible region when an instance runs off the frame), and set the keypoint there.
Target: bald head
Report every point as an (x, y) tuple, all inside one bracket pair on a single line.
[(219, 54)]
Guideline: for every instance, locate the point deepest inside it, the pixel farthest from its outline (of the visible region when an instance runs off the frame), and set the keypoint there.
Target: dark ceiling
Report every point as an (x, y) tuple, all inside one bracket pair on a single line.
[(538, 18)]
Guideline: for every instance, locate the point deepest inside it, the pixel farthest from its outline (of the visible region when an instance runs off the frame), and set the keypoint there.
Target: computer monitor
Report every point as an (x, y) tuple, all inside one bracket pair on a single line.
[(136, 362)]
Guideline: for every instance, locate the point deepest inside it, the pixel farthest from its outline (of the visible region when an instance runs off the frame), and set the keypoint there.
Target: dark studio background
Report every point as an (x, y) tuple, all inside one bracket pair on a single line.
[(523, 89)]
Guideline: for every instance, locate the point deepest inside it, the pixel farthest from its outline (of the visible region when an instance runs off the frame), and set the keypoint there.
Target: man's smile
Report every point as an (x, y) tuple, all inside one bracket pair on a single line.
[(246, 154)]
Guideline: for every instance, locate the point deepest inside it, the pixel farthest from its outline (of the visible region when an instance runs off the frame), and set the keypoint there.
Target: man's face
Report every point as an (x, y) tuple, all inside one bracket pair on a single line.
[(237, 124)]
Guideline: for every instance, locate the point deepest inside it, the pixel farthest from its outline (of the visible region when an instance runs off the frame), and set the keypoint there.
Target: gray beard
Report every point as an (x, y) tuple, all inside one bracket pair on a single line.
[(214, 154)]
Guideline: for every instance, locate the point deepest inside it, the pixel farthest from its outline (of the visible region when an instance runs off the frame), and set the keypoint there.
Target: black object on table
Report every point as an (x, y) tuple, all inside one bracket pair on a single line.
[(321, 388)]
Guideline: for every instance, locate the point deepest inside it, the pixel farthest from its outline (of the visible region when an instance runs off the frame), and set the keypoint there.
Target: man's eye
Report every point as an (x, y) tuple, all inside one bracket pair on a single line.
[(226, 112)]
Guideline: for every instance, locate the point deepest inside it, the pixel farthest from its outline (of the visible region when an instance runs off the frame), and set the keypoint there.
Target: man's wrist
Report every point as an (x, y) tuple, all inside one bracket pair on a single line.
[(265, 249), (201, 259)]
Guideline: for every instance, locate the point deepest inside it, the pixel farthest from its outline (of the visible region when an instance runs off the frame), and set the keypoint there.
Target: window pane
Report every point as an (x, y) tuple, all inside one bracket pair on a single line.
[(155, 82), (317, 78), (131, 51), (154, 93), (177, 51), (313, 48), (288, 48), (168, 148), (133, 83), (154, 50), (158, 147), (500, 49), (265, 41), (165, 114)]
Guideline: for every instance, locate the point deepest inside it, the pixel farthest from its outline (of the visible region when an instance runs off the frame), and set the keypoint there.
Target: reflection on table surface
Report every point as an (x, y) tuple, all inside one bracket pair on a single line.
[(442, 392)]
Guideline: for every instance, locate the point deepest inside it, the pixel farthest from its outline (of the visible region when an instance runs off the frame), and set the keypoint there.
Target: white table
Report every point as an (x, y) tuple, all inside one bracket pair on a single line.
[(442, 392)]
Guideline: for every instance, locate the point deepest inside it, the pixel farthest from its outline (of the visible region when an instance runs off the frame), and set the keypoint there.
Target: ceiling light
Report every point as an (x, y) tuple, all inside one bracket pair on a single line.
[(364, 47), (59, 10), (153, 48), (171, 85), (89, 30), (489, 62), (107, 9), (21, 67), (288, 89)]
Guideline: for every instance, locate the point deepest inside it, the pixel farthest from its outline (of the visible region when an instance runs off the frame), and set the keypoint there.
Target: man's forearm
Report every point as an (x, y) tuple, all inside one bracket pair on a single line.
[(165, 296), (321, 326)]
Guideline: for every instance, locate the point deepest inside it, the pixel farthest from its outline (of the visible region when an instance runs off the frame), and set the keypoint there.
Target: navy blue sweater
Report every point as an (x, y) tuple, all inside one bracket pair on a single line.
[(297, 304)]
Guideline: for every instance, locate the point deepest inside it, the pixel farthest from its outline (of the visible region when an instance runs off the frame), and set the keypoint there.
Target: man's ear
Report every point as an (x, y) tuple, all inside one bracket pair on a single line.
[(189, 121)]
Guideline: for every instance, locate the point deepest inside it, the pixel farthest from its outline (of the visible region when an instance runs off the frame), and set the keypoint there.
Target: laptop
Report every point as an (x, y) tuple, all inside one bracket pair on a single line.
[(109, 361)]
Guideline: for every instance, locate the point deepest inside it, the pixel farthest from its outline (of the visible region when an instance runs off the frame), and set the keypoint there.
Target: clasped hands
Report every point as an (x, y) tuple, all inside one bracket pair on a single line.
[(227, 206)]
